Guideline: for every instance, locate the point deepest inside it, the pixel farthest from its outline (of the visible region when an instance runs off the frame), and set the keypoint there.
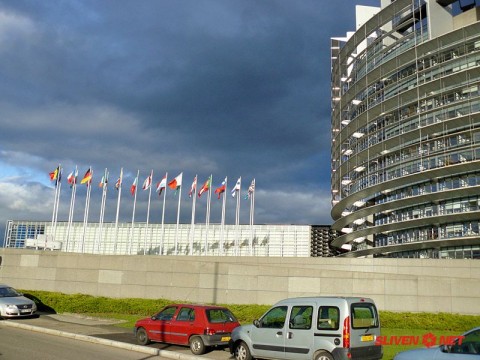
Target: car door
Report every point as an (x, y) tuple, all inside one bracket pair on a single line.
[(182, 325), (299, 336), (268, 335), (159, 330)]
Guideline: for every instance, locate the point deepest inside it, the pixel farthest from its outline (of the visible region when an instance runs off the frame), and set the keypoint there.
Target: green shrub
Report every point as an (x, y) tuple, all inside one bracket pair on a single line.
[(131, 309), (428, 321)]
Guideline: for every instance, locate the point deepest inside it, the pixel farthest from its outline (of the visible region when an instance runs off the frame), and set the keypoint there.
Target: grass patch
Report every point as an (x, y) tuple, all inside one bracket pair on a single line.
[(132, 309)]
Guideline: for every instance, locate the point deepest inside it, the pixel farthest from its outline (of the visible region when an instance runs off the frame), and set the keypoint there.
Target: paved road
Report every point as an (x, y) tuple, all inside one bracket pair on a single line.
[(105, 331), (21, 344)]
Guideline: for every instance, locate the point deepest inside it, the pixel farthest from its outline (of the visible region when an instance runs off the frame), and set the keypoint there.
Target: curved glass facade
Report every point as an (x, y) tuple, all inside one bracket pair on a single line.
[(406, 132)]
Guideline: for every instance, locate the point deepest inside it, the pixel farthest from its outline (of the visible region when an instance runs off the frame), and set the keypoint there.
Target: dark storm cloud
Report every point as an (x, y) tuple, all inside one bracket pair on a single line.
[(237, 88)]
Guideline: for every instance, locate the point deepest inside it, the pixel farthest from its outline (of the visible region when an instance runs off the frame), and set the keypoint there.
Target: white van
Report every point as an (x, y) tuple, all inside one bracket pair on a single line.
[(313, 328)]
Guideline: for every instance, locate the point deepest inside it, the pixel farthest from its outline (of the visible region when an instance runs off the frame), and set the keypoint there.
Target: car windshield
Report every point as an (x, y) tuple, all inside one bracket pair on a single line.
[(220, 316), (9, 292)]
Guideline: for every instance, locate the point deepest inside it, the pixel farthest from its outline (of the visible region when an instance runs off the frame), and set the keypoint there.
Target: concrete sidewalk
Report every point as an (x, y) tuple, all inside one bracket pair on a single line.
[(95, 330)]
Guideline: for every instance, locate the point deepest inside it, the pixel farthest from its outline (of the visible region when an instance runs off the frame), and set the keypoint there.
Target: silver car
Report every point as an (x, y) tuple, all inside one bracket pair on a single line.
[(312, 328), (14, 304), (462, 348)]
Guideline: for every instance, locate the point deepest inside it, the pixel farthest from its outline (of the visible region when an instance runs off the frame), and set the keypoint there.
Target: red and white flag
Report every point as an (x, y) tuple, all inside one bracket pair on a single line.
[(133, 188), (194, 187), (147, 183), (161, 185)]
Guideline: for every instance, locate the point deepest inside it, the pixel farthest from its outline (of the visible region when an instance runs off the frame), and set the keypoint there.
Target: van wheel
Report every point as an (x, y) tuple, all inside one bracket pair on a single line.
[(323, 355), (196, 345), (242, 352), (142, 336)]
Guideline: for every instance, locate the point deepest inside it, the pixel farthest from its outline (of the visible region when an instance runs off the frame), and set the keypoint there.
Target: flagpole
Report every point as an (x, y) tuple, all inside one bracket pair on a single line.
[(148, 216), (55, 201), (103, 184), (224, 202), (54, 198), (54, 206), (237, 217), (133, 214), (178, 218), (252, 211), (207, 220), (118, 211), (160, 250), (72, 207), (192, 226), (87, 206), (58, 185)]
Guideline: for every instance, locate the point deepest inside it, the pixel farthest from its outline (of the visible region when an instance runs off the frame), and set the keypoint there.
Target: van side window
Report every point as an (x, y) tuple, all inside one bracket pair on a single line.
[(328, 318), (364, 316), (301, 317), (274, 318)]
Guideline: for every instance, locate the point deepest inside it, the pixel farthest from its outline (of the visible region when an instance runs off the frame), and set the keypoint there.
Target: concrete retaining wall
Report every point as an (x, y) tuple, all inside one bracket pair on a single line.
[(395, 284)]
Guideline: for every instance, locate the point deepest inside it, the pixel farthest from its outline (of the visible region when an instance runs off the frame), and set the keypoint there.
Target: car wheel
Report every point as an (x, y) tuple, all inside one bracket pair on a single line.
[(324, 356), (242, 352), (196, 345), (142, 336)]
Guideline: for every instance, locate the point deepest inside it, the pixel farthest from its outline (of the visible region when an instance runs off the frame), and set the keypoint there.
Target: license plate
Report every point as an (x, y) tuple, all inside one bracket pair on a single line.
[(225, 338), (366, 338), (25, 311)]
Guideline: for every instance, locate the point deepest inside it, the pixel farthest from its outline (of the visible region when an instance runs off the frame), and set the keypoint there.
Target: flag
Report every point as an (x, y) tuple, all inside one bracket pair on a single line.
[(147, 183), (72, 178), (176, 183), (161, 185), (118, 183), (251, 190), (104, 180), (194, 187), (133, 188), (59, 176), (221, 189), (205, 186), (54, 174), (87, 178), (237, 186)]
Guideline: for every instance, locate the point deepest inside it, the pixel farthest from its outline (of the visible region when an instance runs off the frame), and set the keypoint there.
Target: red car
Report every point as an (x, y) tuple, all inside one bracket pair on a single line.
[(199, 326)]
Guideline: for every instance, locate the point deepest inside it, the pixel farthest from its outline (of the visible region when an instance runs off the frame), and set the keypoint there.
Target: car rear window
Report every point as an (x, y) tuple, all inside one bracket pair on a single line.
[(364, 316), (220, 316)]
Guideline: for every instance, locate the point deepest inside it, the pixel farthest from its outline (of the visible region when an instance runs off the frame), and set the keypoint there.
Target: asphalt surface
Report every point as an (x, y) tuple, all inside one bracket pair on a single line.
[(102, 331)]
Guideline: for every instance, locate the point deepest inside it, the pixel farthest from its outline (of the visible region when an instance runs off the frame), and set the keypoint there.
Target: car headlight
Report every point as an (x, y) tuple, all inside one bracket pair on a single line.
[(12, 307)]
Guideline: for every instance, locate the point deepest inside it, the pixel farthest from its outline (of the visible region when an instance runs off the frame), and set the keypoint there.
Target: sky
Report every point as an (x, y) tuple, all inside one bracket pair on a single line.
[(200, 87)]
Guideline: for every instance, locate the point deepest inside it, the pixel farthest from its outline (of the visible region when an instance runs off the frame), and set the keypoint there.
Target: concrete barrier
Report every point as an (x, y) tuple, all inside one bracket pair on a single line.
[(417, 285)]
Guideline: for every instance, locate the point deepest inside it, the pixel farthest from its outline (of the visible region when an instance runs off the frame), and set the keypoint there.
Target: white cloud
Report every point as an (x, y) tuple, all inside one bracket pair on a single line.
[(13, 26), (29, 201)]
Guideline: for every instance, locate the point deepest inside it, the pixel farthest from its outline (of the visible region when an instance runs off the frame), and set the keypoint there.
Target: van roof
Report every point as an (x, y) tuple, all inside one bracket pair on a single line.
[(336, 299)]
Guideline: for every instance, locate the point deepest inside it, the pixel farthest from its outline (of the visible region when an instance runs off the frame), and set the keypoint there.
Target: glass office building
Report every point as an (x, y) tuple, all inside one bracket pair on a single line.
[(406, 131), (170, 239)]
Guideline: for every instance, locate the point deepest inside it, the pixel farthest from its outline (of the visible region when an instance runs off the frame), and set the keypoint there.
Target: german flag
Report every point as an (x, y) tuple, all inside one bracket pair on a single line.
[(87, 178)]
